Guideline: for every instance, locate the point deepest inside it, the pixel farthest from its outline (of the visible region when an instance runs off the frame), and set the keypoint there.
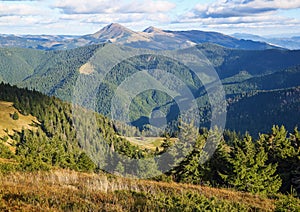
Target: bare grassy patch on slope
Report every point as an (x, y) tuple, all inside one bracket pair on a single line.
[(8, 126), (148, 142), (87, 68)]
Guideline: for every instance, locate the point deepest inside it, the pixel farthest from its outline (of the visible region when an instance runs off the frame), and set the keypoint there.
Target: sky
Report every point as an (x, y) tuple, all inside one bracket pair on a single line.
[(78, 17)]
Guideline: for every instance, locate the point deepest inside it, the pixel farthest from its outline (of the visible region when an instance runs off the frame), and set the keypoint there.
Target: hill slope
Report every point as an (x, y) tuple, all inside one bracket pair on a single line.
[(17, 64), (58, 72), (66, 190), (256, 112), (58, 143), (7, 123)]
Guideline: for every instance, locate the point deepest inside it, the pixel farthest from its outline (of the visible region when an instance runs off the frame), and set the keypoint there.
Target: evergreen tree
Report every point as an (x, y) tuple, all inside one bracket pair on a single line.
[(249, 171), (84, 163), (188, 135), (191, 170), (147, 168), (284, 151), (15, 116)]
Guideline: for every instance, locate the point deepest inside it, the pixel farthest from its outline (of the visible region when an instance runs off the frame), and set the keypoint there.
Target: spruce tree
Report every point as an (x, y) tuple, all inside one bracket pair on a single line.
[(249, 171), (282, 150)]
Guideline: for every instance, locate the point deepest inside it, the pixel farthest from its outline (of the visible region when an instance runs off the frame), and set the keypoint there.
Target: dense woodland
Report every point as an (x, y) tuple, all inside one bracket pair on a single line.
[(271, 80), (266, 165)]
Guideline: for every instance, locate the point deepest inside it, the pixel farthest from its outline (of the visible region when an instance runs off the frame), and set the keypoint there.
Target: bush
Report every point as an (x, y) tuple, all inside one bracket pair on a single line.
[(5, 152), (5, 138), (15, 116), (288, 203)]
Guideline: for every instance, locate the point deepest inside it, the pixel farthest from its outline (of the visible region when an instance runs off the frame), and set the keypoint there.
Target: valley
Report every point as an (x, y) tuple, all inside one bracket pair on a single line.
[(78, 74)]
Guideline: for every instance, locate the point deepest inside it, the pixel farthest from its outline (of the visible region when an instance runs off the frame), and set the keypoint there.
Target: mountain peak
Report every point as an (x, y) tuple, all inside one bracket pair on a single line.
[(152, 29), (113, 27), (113, 30)]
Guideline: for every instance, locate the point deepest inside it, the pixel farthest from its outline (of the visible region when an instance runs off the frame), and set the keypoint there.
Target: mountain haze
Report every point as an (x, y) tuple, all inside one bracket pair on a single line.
[(289, 42)]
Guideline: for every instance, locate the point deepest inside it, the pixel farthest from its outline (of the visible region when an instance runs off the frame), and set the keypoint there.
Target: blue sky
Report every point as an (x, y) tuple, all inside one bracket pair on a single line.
[(262, 17)]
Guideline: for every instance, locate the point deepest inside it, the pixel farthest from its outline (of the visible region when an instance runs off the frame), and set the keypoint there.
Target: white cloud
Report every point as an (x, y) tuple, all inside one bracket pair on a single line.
[(239, 8), (112, 6), (242, 14), (24, 21), (21, 9), (113, 18), (87, 16), (147, 7), (86, 6), (102, 12), (160, 17), (265, 20)]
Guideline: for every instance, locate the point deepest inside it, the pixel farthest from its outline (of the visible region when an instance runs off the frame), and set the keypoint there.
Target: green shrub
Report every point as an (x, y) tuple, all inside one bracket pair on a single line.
[(5, 152), (288, 203), (15, 116)]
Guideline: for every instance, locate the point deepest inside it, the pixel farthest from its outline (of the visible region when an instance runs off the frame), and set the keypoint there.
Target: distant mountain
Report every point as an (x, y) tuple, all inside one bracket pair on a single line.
[(247, 36), (152, 38), (152, 29), (43, 42), (284, 42), (17, 64), (229, 62), (223, 40), (114, 33)]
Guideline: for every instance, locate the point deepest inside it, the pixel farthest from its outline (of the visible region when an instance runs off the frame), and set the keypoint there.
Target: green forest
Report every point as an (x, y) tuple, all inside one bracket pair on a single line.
[(266, 164), (269, 77)]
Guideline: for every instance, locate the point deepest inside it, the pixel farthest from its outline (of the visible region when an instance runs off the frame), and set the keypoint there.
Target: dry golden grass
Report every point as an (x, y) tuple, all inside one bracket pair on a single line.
[(19, 190), (8, 126), (8, 161), (148, 142)]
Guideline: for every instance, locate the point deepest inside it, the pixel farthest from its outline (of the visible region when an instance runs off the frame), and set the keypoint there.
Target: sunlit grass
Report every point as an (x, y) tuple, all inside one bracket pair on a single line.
[(148, 142), (66, 190), (8, 126)]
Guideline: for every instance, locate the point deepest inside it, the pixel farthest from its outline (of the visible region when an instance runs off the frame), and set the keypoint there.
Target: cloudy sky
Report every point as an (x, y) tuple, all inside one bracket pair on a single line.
[(79, 17)]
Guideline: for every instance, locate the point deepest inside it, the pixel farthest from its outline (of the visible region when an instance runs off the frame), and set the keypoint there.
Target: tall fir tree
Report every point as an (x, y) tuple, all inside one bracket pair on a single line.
[(249, 170)]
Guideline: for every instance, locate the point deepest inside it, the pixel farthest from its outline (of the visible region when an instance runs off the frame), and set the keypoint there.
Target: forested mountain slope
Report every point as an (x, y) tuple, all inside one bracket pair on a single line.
[(55, 143), (242, 73), (254, 113)]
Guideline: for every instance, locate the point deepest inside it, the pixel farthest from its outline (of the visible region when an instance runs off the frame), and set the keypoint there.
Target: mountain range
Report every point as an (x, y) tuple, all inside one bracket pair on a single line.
[(269, 78), (289, 42), (151, 37), (251, 73)]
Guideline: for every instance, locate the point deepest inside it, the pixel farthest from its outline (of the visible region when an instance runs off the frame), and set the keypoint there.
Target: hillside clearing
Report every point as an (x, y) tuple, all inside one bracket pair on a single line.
[(8, 126), (148, 142)]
